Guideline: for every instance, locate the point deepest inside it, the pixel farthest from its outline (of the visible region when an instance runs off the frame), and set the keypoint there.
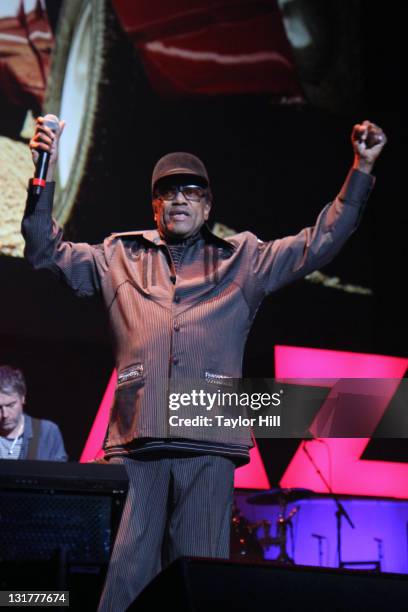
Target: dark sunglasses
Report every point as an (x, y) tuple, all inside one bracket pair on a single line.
[(193, 193)]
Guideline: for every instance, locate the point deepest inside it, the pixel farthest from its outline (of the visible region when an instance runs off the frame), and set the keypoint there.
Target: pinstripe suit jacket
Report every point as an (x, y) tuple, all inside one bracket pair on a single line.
[(196, 327)]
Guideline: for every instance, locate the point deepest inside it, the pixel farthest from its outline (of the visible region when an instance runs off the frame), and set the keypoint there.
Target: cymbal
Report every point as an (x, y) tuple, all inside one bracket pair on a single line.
[(278, 496)]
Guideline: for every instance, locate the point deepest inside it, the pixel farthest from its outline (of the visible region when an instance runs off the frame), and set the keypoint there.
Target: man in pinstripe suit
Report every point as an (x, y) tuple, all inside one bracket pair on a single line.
[(181, 302)]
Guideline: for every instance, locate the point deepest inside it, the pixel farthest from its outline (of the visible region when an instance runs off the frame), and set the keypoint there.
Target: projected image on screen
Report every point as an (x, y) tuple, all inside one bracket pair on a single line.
[(102, 67)]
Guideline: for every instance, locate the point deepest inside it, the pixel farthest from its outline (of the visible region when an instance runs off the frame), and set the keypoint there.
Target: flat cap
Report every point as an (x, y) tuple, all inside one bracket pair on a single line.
[(179, 163)]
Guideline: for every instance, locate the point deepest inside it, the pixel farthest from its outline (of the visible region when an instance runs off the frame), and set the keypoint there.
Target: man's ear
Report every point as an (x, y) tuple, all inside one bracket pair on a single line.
[(207, 208), (154, 205)]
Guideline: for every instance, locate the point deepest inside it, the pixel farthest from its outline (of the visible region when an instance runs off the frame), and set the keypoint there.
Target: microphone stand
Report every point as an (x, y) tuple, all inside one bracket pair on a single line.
[(320, 539), (340, 512)]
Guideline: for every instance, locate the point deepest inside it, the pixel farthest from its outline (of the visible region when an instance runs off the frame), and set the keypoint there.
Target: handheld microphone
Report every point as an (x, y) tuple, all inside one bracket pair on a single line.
[(39, 180)]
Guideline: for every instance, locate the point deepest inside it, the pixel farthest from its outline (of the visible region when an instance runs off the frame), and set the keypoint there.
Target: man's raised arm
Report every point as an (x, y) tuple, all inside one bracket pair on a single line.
[(81, 265), (285, 260)]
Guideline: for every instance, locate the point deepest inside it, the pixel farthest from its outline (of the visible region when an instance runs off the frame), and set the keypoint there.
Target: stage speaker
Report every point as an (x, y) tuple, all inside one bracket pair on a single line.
[(208, 585), (58, 523)]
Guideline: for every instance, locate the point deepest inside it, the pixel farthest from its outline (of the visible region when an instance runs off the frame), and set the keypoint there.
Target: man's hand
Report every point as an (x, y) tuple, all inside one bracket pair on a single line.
[(44, 139), (368, 141)]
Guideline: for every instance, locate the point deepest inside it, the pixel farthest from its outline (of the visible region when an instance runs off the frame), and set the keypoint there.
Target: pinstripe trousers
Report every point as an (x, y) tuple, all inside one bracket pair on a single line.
[(176, 506)]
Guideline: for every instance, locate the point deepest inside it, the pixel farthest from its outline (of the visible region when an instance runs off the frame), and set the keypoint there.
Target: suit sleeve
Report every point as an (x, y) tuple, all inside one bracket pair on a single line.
[(285, 260), (80, 265)]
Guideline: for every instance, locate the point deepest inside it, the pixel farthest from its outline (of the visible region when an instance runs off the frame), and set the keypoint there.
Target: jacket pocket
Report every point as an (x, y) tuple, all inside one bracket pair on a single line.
[(133, 374), (126, 406), (218, 379)]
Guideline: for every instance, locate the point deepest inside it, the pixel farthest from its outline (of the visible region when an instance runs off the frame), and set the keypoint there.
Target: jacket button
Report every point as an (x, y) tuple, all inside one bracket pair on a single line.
[(177, 299), (175, 360), (176, 327)]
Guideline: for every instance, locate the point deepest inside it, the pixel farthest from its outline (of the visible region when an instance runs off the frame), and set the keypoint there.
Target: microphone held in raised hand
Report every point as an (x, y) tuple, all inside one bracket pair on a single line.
[(38, 182)]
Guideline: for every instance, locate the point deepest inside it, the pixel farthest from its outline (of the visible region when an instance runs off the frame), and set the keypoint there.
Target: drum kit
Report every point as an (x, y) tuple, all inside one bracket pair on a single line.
[(245, 543)]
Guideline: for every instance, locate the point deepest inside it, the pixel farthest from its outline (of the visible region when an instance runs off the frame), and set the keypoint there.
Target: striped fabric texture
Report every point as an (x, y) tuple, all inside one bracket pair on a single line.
[(175, 318), (174, 508), (238, 453), (192, 327)]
